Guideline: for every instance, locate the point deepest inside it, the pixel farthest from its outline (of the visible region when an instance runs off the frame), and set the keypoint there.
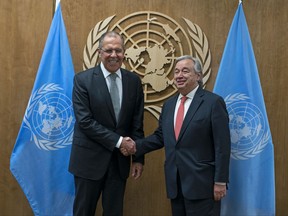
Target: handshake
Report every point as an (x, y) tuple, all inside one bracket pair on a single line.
[(128, 146)]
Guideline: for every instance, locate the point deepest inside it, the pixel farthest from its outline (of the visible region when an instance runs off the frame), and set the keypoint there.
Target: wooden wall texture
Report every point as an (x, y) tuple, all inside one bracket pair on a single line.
[(24, 26)]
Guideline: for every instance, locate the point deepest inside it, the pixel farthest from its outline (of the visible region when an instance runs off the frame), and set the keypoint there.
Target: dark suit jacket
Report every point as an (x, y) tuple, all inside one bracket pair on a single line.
[(201, 154), (96, 131)]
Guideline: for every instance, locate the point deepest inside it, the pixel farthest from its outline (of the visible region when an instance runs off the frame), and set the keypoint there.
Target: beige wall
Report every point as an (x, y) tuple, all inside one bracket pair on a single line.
[(24, 26)]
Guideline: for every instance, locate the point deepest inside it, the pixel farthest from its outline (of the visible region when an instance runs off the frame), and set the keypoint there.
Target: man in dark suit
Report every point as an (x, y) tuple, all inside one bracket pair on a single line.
[(102, 127), (198, 154)]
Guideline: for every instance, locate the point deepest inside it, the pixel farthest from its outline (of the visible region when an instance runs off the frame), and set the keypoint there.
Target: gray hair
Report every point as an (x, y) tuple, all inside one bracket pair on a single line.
[(197, 66), (110, 34)]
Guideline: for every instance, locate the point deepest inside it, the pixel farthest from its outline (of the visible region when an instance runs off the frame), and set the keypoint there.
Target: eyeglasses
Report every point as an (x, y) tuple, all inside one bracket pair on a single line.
[(110, 51)]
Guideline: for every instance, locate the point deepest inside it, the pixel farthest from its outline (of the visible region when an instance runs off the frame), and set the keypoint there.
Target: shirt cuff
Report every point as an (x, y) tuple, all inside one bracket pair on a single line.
[(220, 183), (119, 142)]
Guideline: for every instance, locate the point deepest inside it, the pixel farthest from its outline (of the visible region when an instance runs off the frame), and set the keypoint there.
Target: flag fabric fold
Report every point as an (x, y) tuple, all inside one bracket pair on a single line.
[(252, 182), (40, 157)]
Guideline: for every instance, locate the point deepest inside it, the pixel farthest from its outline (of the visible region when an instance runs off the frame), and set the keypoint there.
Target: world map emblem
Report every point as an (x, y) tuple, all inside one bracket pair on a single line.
[(153, 41), (248, 129), (50, 118)]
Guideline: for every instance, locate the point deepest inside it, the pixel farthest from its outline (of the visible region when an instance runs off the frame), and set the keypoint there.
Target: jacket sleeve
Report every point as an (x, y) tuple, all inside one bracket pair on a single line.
[(222, 142)]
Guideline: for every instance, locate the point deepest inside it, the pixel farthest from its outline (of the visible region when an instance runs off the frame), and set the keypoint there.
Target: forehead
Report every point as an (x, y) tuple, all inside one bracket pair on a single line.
[(185, 63), (115, 39)]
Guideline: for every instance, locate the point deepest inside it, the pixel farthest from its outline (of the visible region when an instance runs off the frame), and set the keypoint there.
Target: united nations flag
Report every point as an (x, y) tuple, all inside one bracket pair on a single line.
[(40, 157), (252, 184)]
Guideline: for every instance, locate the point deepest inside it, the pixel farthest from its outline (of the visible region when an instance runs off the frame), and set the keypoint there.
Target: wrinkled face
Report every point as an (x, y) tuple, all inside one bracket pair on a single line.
[(112, 53), (185, 78)]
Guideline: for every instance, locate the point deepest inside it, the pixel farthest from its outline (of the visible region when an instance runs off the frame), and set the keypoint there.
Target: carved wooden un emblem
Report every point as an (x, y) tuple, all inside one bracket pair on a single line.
[(153, 41)]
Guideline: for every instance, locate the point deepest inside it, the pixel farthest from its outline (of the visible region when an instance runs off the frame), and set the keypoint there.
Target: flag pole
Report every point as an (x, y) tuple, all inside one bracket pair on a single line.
[(55, 5)]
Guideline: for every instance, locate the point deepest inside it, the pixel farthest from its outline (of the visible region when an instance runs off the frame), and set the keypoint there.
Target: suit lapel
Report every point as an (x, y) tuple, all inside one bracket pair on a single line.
[(125, 93), (102, 88), (170, 117)]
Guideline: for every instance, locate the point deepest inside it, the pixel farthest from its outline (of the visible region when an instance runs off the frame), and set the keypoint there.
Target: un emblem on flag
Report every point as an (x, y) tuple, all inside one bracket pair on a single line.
[(50, 118), (249, 134)]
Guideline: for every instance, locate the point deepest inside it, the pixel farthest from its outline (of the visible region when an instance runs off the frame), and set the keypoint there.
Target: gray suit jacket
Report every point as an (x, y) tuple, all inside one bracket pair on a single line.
[(96, 131), (202, 153)]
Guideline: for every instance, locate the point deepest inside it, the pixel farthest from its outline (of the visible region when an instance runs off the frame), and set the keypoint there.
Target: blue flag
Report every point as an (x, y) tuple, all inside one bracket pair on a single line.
[(40, 157), (252, 185)]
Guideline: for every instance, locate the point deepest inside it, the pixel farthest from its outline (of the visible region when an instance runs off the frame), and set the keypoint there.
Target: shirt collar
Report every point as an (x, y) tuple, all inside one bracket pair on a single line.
[(106, 73), (190, 95)]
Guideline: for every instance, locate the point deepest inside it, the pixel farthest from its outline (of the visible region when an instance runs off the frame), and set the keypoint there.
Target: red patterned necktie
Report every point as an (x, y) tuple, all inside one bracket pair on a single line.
[(179, 117)]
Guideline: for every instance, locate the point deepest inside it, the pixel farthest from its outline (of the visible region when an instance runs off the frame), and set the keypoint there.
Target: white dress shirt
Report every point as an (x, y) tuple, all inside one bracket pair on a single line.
[(119, 85), (187, 103)]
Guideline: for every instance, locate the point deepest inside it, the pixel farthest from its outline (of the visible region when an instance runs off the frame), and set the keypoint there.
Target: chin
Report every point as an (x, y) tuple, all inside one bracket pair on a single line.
[(113, 69), (180, 86)]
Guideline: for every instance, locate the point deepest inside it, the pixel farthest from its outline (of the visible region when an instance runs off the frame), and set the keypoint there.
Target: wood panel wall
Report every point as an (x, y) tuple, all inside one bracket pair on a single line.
[(24, 26)]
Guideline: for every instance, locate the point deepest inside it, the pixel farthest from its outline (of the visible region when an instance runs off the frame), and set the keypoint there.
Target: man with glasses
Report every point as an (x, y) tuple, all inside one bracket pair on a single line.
[(108, 104)]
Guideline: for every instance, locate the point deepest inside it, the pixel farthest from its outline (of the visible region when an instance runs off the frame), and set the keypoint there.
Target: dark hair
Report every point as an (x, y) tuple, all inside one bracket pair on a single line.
[(110, 34)]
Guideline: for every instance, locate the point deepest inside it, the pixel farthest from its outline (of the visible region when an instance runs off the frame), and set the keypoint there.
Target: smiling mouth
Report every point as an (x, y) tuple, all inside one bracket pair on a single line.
[(113, 61), (180, 82)]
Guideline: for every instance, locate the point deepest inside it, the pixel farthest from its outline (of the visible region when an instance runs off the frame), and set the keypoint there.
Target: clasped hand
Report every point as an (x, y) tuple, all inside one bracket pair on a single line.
[(128, 146)]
